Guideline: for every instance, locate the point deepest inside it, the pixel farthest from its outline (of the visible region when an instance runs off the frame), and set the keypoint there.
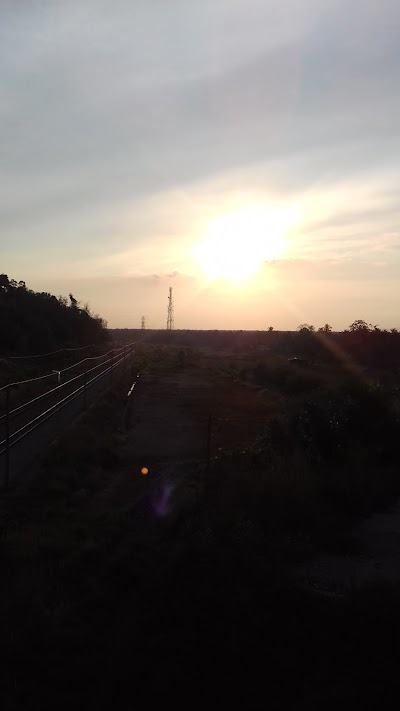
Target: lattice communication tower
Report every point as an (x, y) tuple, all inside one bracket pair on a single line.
[(170, 319)]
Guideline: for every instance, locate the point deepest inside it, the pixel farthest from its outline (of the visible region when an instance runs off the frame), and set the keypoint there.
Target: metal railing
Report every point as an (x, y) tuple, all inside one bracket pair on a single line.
[(23, 420)]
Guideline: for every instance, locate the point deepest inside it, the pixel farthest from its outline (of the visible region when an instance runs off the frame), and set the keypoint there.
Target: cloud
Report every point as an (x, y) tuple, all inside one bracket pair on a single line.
[(127, 126), (105, 122)]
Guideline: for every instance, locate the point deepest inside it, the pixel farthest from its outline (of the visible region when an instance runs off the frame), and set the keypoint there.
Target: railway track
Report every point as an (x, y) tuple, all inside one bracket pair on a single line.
[(28, 428)]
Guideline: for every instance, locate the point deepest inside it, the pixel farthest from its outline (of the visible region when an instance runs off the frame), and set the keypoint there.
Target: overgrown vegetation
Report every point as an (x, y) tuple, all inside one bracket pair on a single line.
[(360, 344), (328, 453), (107, 598)]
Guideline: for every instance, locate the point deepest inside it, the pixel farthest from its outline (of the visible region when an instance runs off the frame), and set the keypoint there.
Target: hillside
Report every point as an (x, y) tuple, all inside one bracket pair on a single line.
[(36, 322)]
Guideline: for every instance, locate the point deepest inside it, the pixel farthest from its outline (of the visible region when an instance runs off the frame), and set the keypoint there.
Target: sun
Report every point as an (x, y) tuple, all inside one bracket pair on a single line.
[(237, 244)]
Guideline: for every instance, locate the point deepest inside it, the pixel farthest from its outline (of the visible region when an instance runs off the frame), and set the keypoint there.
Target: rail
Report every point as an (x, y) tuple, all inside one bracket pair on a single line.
[(26, 405), (27, 419)]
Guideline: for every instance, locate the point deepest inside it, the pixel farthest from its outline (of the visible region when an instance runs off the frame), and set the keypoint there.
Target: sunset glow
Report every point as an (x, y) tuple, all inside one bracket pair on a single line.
[(238, 243), (242, 153)]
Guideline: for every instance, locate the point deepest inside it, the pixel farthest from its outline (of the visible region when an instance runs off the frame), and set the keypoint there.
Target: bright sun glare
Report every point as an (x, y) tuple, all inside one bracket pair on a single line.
[(237, 244)]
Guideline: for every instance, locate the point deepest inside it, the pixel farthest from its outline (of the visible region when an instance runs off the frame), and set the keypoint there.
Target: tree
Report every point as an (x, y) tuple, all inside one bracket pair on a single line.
[(74, 303), (359, 325), (37, 322), (4, 282), (325, 329), (306, 327)]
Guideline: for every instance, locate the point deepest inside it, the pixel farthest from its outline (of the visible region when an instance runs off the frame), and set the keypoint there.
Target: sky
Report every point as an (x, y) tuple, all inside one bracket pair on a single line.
[(244, 152)]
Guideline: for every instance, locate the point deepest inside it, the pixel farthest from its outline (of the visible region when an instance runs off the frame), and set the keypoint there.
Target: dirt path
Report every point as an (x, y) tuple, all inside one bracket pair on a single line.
[(168, 428), (169, 420)]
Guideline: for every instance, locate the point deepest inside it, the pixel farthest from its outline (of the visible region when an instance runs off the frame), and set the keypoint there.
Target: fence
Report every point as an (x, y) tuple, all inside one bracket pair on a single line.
[(26, 429)]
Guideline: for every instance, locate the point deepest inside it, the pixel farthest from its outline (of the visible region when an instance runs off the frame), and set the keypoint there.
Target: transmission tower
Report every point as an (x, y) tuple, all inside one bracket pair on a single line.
[(143, 323), (170, 319)]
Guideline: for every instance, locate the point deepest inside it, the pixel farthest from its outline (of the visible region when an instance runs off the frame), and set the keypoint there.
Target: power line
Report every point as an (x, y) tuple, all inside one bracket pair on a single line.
[(59, 387), (31, 380), (42, 355), (75, 365)]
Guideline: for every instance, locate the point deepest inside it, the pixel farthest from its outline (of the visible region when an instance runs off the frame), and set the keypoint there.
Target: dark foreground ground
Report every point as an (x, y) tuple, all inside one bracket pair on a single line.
[(120, 589)]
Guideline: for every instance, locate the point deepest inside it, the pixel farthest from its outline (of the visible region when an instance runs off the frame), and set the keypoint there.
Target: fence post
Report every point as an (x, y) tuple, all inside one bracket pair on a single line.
[(112, 364), (7, 453), (131, 359), (85, 388)]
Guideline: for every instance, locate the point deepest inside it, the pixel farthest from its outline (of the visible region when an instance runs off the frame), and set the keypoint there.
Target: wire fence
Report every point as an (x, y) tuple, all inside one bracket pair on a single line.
[(19, 422)]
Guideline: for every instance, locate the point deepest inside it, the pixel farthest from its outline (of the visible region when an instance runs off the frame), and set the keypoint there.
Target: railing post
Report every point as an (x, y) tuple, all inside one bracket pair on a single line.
[(7, 453), (85, 388)]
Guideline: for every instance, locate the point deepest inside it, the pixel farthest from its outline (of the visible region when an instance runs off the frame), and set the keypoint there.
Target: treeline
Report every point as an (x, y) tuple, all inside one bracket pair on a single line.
[(35, 322), (364, 344)]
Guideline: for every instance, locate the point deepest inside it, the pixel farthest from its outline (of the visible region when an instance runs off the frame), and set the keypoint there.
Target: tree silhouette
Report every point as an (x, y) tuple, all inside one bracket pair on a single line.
[(306, 327), (38, 322), (359, 325), (74, 303), (4, 282)]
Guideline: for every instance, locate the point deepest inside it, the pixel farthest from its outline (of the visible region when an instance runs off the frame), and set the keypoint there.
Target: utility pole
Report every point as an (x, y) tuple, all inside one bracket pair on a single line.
[(85, 387), (170, 318), (7, 459)]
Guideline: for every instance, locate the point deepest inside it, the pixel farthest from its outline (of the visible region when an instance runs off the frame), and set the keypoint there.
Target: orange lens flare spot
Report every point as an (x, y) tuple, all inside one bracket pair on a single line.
[(144, 470)]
